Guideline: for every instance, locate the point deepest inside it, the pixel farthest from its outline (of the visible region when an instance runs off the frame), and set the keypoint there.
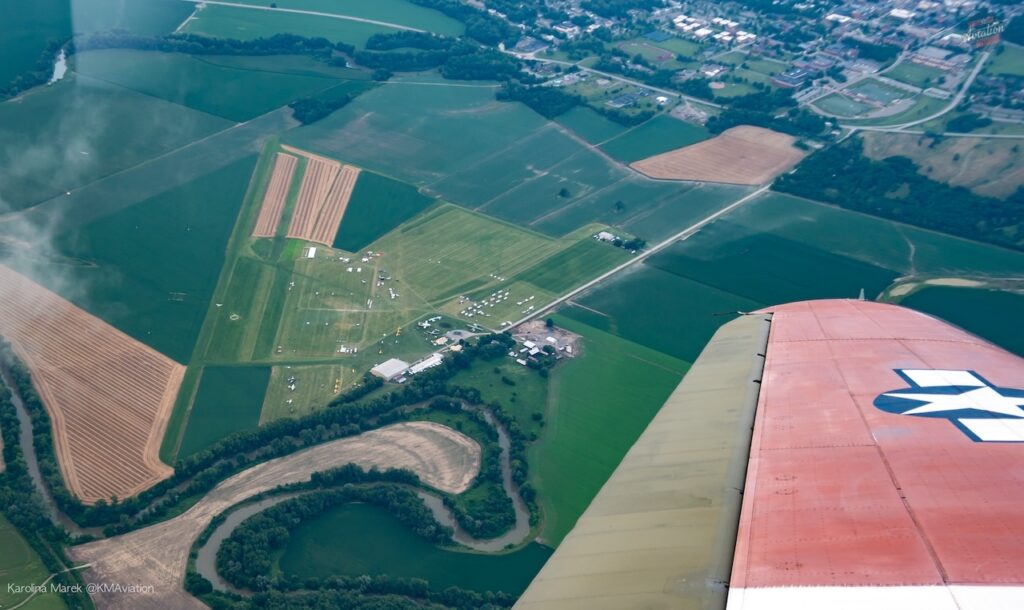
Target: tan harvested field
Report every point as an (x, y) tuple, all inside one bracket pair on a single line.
[(741, 155), (327, 223), (326, 189), (988, 166), (157, 555), (316, 183), (275, 196), (108, 395)]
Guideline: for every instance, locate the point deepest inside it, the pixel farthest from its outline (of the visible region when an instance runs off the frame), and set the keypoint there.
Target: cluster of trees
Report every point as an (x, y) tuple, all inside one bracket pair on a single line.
[(893, 188), (40, 73), (1014, 31), (882, 53), (968, 122), (620, 8), (21, 505), (548, 102), (768, 109), (244, 558), (312, 109), (480, 26), (409, 39)]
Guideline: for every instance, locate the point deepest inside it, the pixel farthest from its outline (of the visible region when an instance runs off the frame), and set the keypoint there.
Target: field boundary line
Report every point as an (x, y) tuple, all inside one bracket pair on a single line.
[(687, 232), (314, 13)]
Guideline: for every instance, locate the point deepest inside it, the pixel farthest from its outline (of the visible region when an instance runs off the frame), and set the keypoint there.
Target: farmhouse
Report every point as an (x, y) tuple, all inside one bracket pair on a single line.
[(390, 369)]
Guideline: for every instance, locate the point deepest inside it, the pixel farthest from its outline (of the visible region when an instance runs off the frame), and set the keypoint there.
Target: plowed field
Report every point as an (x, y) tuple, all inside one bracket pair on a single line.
[(326, 189), (108, 395), (741, 155), (274, 198)]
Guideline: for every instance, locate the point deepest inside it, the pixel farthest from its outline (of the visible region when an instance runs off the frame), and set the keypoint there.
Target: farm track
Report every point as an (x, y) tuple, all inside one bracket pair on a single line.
[(157, 555), (108, 395), (274, 199)]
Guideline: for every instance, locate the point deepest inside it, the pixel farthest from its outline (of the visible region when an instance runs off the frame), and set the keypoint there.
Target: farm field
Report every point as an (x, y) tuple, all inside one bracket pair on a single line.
[(740, 155), (149, 18), (20, 565), (314, 388), (274, 197), (566, 269), (506, 161), (660, 134), (26, 30), (991, 314), (62, 137), (590, 125), (231, 93), (987, 166), (150, 269), (229, 400), (323, 195), (357, 539), (302, 65), (247, 24), (916, 75), (398, 12), (90, 376), (378, 205), (601, 402)]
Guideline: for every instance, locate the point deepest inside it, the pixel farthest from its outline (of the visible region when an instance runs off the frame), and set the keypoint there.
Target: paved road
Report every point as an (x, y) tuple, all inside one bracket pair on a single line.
[(301, 12), (643, 255)]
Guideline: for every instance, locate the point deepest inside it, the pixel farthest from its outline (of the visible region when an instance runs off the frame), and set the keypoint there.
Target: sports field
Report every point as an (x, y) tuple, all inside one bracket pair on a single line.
[(58, 138), (20, 565), (660, 134), (878, 91), (246, 24), (916, 74), (357, 539), (229, 400), (378, 205), (600, 403), (398, 12), (232, 93), (841, 105)]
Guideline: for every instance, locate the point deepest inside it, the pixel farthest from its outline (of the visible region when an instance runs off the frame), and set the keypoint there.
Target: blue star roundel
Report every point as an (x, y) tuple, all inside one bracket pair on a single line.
[(981, 410)]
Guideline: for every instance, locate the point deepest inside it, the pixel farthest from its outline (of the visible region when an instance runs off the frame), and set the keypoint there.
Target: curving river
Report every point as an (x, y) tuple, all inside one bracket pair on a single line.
[(206, 559)]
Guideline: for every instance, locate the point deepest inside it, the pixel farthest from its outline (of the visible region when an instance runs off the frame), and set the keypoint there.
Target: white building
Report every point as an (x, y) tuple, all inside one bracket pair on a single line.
[(430, 361), (390, 369)]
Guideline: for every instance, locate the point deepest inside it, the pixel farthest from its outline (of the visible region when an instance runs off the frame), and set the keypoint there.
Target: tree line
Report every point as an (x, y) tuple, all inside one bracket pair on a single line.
[(893, 188)]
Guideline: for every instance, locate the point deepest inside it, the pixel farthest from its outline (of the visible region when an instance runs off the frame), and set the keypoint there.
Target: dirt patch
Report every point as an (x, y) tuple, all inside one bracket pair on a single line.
[(955, 281), (108, 395), (274, 199), (326, 189), (157, 555), (741, 155)]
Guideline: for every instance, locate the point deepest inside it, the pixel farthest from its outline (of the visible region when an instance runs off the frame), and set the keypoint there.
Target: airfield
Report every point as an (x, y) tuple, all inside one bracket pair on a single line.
[(252, 269)]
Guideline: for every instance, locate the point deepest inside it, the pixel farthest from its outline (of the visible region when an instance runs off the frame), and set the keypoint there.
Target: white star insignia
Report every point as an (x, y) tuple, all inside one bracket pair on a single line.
[(978, 399)]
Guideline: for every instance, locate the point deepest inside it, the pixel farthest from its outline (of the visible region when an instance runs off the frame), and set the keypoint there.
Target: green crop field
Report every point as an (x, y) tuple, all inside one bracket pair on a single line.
[(567, 269), (916, 74), (590, 125), (499, 158), (246, 24), (378, 205), (398, 12), (234, 94), (148, 18), (26, 29), (59, 138), (20, 565), (357, 539), (302, 65), (150, 269), (660, 134), (991, 314), (229, 400), (601, 402)]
